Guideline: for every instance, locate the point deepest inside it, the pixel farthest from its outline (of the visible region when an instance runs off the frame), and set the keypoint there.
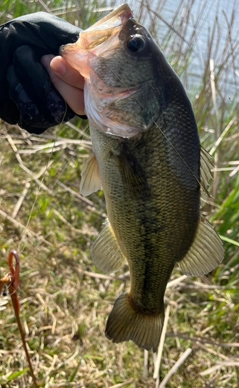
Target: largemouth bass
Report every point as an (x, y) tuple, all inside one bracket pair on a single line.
[(146, 156)]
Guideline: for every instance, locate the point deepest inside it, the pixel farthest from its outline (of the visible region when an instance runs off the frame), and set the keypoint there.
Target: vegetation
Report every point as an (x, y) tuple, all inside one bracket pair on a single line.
[(64, 299)]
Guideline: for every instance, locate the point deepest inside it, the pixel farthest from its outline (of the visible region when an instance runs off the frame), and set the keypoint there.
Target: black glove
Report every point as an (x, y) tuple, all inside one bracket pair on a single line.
[(27, 95)]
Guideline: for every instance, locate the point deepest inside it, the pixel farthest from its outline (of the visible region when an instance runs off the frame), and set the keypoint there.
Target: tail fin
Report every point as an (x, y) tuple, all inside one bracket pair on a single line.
[(125, 324)]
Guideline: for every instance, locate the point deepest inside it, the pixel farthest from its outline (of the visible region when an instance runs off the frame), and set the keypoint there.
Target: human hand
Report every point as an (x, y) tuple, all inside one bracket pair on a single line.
[(68, 81), (27, 95)]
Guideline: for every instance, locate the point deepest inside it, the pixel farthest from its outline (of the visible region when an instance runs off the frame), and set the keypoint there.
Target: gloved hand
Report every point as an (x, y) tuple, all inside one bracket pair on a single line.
[(27, 95)]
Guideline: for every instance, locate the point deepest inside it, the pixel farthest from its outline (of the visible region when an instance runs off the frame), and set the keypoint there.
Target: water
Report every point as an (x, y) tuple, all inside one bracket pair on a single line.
[(195, 20), (227, 15)]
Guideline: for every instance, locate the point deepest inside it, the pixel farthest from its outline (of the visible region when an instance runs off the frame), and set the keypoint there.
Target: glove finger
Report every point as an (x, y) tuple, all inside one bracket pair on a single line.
[(39, 87), (9, 111), (29, 116), (39, 103)]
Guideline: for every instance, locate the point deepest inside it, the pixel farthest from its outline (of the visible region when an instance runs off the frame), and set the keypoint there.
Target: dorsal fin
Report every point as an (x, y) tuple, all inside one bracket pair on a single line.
[(206, 166)]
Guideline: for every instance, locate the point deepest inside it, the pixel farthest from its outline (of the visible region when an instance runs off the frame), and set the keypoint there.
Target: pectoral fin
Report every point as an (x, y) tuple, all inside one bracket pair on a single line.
[(106, 253), (90, 176), (132, 172), (206, 252)]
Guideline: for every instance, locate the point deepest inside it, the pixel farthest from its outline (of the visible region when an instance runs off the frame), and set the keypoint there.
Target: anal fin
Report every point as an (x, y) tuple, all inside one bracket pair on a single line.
[(206, 252), (90, 176), (105, 251)]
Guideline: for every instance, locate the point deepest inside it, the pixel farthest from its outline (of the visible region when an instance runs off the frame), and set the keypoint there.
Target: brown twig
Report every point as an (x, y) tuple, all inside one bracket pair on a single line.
[(12, 281)]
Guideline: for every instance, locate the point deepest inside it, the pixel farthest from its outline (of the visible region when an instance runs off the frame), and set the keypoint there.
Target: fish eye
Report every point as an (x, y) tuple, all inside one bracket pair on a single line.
[(136, 43)]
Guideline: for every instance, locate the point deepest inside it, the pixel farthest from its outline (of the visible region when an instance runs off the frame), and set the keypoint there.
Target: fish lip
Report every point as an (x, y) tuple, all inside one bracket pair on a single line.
[(114, 19), (110, 25)]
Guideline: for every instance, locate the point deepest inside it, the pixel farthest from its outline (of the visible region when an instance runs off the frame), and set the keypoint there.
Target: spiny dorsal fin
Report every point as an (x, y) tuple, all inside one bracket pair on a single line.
[(206, 252), (90, 176), (105, 251)]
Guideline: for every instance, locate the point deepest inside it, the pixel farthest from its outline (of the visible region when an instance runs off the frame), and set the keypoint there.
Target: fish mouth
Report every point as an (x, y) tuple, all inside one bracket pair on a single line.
[(90, 42), (104, 28), (118, 16)]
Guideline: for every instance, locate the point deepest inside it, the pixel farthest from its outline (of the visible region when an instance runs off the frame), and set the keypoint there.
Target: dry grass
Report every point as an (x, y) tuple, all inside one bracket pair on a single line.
[(65, 301)]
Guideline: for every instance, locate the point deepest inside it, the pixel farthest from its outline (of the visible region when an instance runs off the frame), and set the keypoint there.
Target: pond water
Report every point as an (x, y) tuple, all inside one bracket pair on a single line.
[(195, 21)]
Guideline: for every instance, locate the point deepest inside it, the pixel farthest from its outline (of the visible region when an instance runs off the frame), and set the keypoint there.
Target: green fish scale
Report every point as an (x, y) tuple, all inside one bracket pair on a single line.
[(154, 223)]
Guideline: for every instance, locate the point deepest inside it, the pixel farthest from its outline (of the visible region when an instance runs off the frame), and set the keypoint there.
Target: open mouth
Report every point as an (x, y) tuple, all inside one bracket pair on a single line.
[(105, 28), (97, 40)]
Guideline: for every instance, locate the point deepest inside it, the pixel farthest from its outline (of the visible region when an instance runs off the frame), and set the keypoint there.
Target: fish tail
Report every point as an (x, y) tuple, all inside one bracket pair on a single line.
[(124, 324)]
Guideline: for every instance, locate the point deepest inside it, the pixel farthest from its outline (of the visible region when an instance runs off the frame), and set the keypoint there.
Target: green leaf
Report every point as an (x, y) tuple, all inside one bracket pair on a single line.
[(229, 240), (15, 375)]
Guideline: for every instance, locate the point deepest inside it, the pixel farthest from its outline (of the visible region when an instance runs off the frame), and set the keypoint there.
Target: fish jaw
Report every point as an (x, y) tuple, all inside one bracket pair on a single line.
[(114, 18), (90, 42)]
